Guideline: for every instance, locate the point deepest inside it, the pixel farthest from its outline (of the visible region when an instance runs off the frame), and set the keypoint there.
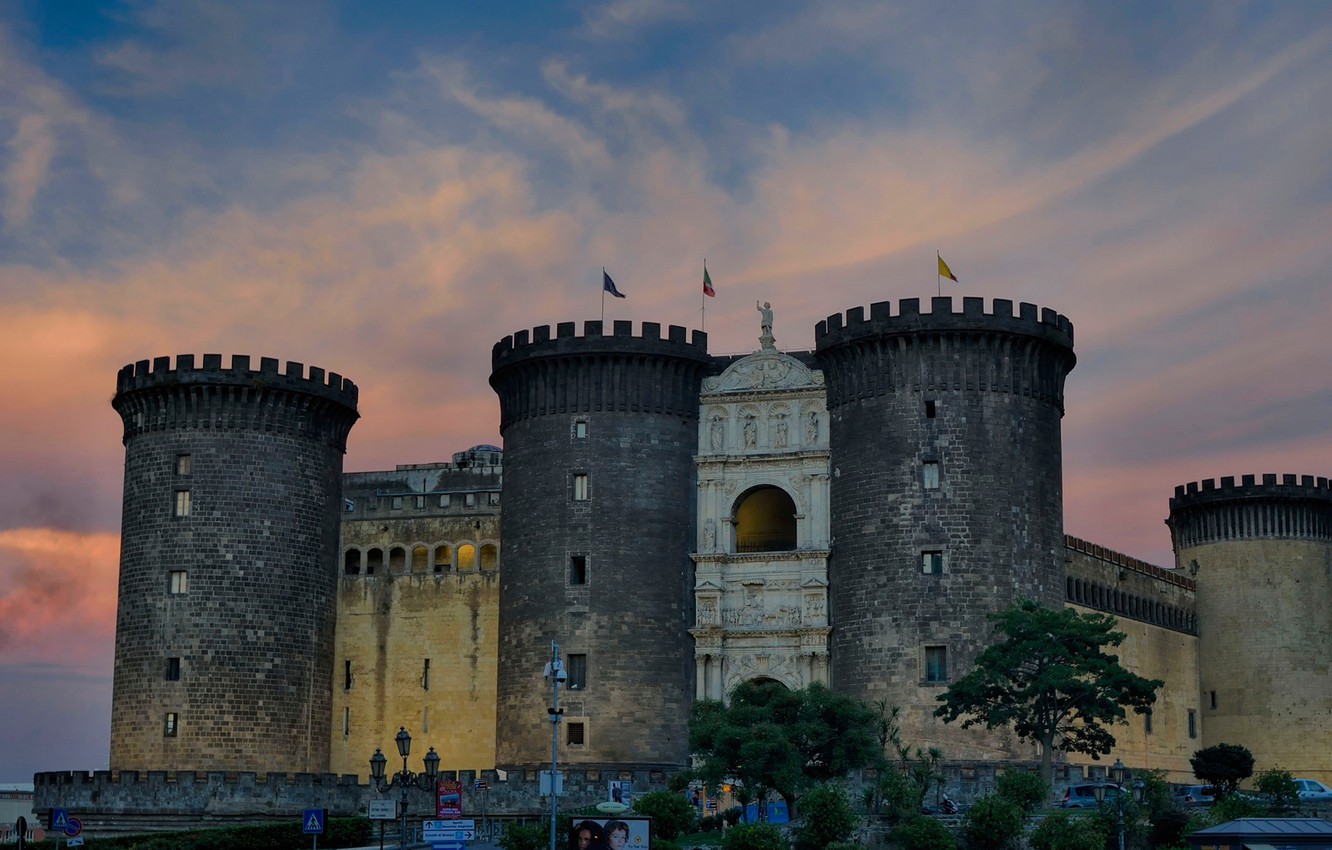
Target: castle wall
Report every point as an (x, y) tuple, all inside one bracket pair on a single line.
[(599, 434), (418, 617), (229, 536), (945, 436), (1154, 608), (1263, 551)]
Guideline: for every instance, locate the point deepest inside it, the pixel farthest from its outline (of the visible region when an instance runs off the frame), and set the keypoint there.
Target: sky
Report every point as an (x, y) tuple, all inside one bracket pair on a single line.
[(386, 189)]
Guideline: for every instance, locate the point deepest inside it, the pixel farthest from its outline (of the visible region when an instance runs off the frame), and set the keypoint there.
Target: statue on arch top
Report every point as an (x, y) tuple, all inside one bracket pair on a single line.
[(765, 325)]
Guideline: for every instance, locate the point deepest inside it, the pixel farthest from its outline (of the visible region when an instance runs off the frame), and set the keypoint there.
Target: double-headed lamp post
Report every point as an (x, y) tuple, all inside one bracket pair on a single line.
[(1119, 775), (404, 779)]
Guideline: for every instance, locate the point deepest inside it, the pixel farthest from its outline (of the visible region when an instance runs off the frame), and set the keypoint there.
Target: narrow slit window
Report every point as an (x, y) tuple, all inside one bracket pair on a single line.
[(1193, 723), (171, 725), (346, 675), (425, 674), (577, 670), (578, 569)]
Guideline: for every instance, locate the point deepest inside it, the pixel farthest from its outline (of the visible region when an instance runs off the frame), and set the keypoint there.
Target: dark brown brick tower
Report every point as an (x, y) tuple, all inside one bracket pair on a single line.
[(599, 434), (947, 493), (224, 634)]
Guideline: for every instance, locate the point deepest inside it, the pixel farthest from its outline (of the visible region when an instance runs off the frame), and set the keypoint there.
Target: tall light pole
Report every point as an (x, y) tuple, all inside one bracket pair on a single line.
[(404, 779), (555, 674), (1119, 775)]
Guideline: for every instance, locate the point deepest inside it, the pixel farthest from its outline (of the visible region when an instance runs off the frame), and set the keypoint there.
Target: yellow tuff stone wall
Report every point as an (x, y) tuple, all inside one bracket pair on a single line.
[(1265, 627), (1151, 650), (390, 622)]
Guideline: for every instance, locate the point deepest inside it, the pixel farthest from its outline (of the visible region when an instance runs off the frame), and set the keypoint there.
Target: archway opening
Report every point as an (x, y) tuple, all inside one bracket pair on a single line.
[(765, 521)]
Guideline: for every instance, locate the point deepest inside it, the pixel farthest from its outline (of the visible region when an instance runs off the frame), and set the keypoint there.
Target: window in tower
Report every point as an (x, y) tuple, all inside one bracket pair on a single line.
[(929, 409), (580, 429), (580, 486), (931, 561), (173, 670), (178, 582), (929, 475), (936, 664), (171, 724), (1193, 723), (346, 675), (577, 569), (182, 506), (577, 670), (425, 674), (575, 733), (1212, 697), (184, 464), (470, 500), (346, 721)]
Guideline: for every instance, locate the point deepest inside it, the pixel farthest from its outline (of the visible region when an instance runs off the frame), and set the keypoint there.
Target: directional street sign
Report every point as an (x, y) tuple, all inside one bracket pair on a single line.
[(312, 821), (457, 830), (447, 845)]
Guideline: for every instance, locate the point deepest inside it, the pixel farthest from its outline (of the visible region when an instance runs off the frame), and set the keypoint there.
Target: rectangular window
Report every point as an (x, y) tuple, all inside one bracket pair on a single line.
[(929, 409), (173, 670), (936, 664), (178, 582), (1213, 699), (929, 475), (577, 671), (425, 674), (444, 500), (470, 500), (171, 725), (576, 734), (346, 675), (182, 503), (396, 504), (1193, 723), (580, 429), (184, 464), (580, 486), (346, 722), (420, 502), (493, 498), (577, 569), (349, 505), (931, 562), (1147, 722)]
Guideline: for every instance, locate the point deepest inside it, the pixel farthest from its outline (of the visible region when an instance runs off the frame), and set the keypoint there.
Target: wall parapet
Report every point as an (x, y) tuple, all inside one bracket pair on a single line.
[(1119, 559), (1029, 319), (1292, 508), (621, 340)]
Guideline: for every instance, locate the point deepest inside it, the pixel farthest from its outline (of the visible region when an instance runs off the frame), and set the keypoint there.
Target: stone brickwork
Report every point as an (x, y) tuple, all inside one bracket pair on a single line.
[(945, 438), (599, 434), (1155, 609), (1262, 550), (418, 614), (229, 537)]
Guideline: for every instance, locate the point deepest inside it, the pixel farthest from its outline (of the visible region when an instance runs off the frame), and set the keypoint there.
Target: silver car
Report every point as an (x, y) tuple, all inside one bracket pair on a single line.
[(1312, 789)]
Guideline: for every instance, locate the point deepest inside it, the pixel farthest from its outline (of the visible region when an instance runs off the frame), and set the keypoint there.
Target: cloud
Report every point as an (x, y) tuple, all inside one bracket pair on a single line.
[(622, 19)]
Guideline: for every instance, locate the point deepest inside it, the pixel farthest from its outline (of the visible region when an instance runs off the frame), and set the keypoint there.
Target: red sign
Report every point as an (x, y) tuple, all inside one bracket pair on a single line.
[(448, 793)]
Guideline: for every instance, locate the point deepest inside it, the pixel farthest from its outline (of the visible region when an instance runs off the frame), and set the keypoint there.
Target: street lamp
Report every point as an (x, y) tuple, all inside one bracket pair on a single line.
[(1119, 775), (555, 673), (404, 779)]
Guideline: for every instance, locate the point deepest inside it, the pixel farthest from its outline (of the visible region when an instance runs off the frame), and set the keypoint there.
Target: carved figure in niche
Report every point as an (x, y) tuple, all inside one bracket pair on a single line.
[(718, 434), (751, 433), (779, 432), (812, 428), (709, 535), (707, 612)]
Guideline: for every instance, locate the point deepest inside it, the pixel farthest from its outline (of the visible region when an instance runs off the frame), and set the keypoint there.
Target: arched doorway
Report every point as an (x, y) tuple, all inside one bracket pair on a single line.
[(765, 521)]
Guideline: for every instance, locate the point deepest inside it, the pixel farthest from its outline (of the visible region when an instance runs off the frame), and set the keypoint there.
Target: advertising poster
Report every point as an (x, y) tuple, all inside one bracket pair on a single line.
[(620, 832), (449, 794), (620, 791)]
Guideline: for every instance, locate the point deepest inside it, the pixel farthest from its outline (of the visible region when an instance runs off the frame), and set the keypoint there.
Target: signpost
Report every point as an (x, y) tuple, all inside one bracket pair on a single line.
[(312, 824), (450, 834), (69, 828)]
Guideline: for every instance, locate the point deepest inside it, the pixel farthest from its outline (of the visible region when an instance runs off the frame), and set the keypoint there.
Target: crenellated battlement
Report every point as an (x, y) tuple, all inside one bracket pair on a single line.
[(1029, 320), (159, 372), (157, 396), (621, 340), (1283, 507)]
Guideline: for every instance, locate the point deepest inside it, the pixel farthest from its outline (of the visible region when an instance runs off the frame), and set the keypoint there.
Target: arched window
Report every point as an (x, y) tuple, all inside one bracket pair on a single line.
[(397, 559), (489, 557), (420, 558), (765, 521), (351, 562), (466, 557), (443, 558), (374, 559)]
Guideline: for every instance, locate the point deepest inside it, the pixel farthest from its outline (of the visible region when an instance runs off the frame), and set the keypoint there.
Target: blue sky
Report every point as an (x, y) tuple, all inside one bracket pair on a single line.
[(385, 190)]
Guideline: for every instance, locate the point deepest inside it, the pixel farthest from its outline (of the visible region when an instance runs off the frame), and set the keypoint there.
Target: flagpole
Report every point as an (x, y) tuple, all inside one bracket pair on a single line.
[(603, 309), (938, 277), (703, 300)]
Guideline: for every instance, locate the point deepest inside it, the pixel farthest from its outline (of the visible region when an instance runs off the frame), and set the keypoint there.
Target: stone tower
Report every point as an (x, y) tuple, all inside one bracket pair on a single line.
[(599, 435), (946, 496), (1262, 553), (224, 633)]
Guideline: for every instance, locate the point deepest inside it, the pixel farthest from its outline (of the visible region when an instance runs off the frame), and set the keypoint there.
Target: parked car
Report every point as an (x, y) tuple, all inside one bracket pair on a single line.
[(1084, 796), (1312, 789), (1195, 795)]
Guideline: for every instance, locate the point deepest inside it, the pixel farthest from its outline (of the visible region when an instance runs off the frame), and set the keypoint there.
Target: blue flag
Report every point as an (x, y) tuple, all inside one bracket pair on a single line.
[(609, 285)]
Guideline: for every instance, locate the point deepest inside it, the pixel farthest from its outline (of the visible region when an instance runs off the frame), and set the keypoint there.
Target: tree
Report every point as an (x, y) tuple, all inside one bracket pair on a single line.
[(1224, 766), (1050, 680), (826, 818), (769, 737), (1279, 789), (672, 815)]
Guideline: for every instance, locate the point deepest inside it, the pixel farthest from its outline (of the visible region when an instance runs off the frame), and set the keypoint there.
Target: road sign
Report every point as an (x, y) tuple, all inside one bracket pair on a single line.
[(458, 829), (447, 845), (59, 820), (383, 810), (312, 821)]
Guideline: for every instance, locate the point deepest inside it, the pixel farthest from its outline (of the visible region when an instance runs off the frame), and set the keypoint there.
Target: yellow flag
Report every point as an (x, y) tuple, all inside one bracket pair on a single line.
[(944, 271)]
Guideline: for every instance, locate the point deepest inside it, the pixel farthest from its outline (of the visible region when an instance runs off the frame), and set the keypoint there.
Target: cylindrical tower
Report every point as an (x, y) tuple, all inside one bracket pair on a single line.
[(598, 523), (224, 633), (946, 497), (1262, 553)]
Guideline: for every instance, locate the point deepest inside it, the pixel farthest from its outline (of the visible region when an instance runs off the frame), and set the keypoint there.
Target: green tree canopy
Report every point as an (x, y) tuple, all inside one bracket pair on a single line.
[(1223, 765), (1050, 680), (772, 738)]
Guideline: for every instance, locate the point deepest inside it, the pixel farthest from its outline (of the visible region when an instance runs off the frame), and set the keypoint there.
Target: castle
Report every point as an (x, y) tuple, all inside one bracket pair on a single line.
[(679, 522)]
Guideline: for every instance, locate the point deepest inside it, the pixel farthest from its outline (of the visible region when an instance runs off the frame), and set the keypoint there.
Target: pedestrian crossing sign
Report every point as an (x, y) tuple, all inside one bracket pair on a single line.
[(313, 821)]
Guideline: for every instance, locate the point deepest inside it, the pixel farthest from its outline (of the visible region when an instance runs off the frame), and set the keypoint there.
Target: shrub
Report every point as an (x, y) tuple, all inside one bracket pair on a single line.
[(1279, 789), (924, 833), (1169, 828), (1065, 831), (1025, 790), (826, 817), (753, 836), (1235, 806), (1223, 765), (844, 845), (672, 815), (992, 824), (733, 816), (531, 836)]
